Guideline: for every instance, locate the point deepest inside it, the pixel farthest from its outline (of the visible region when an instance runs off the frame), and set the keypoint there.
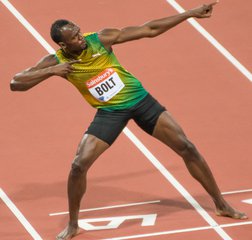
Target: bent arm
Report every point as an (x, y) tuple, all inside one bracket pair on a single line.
[(152, 28), (47, 67), (32, 76)]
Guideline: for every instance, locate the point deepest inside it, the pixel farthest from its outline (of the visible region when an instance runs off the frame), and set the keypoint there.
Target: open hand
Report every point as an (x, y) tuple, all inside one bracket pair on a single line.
[(203, 11)]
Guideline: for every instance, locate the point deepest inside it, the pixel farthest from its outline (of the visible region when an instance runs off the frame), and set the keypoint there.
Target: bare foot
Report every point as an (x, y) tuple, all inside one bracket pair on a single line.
[(230, 212), (68, 233)]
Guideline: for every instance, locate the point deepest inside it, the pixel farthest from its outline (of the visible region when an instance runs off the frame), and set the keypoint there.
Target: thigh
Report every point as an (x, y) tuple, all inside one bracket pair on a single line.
[(107, 126), (147, 112), (169, 132)]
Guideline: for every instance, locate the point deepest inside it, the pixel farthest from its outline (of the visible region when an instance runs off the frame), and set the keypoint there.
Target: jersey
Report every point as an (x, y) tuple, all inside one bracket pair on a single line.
[(101, 79)]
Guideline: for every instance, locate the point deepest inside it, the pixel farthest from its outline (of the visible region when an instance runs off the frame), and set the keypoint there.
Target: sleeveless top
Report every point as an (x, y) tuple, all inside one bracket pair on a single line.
[(101, 79)]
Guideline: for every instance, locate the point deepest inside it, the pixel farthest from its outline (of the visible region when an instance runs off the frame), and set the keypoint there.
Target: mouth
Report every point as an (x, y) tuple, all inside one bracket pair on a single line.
[(83, 45)]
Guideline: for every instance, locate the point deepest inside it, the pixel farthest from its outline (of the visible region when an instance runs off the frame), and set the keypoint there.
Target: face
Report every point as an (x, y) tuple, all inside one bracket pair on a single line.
[(73, 40)]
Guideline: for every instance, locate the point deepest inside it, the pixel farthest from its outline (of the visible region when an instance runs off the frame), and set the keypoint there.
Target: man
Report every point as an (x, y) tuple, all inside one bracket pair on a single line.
[(89, 63)]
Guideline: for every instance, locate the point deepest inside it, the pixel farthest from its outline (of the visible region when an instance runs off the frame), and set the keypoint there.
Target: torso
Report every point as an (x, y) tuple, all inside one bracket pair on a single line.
[(100, 78)]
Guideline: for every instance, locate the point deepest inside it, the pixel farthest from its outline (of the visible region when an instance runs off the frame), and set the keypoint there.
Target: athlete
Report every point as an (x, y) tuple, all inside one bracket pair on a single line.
[(88, 62)]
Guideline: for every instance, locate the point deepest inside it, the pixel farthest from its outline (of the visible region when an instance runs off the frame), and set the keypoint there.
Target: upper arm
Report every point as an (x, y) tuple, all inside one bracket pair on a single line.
[(47, 61), (110, 37)]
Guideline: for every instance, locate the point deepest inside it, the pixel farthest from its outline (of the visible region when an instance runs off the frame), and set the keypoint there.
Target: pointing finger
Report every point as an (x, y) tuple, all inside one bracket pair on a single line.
[(74, 61), (213, 3)]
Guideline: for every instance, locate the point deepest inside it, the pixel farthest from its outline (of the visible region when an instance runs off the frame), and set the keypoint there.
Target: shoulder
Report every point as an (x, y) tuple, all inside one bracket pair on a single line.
[(98, 38), (89, 34), (91, 37), (50, 58), (47, 61), (108, 36)]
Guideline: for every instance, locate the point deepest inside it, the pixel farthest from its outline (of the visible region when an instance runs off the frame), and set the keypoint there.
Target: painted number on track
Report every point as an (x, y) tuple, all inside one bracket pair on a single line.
[(115, 222)]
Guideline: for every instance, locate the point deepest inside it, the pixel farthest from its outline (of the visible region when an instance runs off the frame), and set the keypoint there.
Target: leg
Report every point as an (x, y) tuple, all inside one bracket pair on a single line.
[(101, 134), (90, 148), (170, 133)]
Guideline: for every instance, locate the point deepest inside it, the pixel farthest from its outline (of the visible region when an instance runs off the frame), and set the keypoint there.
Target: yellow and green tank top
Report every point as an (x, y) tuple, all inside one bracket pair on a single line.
[(101, 79)]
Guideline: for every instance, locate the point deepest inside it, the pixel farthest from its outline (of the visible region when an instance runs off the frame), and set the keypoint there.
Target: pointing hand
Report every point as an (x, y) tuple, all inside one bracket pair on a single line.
[(203, 11)]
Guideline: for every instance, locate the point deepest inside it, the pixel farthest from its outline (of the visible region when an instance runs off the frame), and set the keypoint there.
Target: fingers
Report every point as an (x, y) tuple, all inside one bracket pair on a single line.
[(213, 3), (69, 67), (204, 11), (74, 61), (209, 13), (209, 8), (65, 68)]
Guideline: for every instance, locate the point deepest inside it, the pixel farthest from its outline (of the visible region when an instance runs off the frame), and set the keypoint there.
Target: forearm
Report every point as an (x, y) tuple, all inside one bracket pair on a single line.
[(28, 79), (159, 26)]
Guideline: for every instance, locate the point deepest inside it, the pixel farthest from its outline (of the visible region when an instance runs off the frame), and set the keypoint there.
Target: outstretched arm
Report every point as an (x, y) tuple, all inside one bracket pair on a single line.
[(152, 28), (44, 69)]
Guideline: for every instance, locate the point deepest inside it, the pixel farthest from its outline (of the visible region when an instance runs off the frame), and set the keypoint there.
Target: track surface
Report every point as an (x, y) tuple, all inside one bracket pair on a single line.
[(209, 97)]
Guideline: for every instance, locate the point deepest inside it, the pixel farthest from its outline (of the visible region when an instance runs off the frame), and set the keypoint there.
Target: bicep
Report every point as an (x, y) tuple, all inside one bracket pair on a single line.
[(116, 36), (47, 61)]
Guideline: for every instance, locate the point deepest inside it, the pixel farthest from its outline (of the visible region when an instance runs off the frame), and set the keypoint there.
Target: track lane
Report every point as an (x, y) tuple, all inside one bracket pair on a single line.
[(229, 25), (139, 54)]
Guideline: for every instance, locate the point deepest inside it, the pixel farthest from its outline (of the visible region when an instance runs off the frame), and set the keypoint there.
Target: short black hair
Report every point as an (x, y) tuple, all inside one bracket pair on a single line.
[(55, 29)]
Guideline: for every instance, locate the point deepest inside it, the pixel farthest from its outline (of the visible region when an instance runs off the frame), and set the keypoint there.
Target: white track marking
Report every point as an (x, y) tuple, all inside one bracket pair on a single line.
[(108, 207), (115, 222), (149, 155), (248, 201), (176, 184), (28, 26), (178, 231), (238, 191), (19, 215), (213, 41), (236, 224)]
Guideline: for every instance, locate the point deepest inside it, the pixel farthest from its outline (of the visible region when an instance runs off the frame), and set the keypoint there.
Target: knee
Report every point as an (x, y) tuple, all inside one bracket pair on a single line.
[(79, 166), (187, 150), (76, 170)]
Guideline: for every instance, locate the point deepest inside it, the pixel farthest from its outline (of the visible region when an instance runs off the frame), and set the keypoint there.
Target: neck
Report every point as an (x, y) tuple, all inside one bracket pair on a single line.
[(72, 54)]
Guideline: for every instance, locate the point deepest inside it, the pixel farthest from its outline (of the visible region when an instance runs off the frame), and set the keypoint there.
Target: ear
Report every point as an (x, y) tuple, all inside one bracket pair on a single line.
[(62, 45)]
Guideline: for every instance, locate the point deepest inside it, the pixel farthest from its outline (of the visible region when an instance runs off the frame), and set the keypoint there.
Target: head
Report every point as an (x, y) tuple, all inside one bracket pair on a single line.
[(68, 36)]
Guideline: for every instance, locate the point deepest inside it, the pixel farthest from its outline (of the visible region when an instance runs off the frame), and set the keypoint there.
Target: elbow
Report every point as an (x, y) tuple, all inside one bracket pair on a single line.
[(17, 86), (153, 33), (13, 85)]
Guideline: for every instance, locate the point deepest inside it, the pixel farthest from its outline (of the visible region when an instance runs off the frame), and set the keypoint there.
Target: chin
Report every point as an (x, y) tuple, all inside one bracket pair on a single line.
[(84, 47)]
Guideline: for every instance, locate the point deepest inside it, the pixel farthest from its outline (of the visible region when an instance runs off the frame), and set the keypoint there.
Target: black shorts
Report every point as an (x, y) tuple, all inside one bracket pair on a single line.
[(107, 125)]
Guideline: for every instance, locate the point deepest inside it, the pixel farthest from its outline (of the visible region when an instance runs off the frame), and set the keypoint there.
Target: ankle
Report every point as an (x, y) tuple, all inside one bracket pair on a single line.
[(221, 204), (73, 224)]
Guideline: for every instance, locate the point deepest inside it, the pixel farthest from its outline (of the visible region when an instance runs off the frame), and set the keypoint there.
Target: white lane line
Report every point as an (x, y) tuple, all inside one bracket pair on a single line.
[(177, 231), (28, 26), (236, 224), (159, 166), (176, 184), (214, 42), (248, 201), (238, 191), (109, 207), (19, 215)]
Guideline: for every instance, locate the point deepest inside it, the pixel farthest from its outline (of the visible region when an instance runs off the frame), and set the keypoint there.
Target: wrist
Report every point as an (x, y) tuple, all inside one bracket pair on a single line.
[(51, 71), (189, 14)]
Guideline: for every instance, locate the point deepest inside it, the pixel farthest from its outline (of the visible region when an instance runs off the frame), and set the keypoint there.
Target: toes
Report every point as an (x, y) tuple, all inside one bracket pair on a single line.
[(243, 216), (239, 215), (234, 215)]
